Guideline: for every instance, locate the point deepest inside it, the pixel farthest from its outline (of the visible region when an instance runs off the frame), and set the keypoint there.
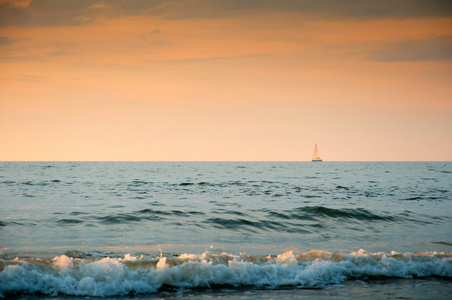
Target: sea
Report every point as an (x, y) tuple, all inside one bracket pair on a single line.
[(229, 230)]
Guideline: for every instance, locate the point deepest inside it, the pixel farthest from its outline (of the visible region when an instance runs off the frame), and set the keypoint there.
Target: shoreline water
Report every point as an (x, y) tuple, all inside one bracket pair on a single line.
[(215, 273), (378, 289)]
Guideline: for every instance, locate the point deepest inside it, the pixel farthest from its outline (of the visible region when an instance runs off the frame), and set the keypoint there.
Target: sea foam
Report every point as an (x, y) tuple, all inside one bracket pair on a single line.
[(108, 276)]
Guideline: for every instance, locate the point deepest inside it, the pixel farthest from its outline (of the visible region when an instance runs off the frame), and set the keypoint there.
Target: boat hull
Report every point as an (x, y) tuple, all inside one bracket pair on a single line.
[(317, 160)]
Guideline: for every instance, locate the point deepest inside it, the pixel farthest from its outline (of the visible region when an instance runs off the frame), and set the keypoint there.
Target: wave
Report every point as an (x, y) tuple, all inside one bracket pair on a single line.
[(298, 219), (132, 275), (345, 213)]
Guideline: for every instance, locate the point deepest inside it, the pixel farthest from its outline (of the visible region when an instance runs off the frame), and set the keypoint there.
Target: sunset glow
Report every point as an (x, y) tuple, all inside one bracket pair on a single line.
[(225, 80)]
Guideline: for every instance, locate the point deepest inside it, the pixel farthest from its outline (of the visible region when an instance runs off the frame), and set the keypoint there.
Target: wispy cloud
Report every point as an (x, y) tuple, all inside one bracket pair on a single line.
[(63, 49), (436, 48), (351, 8), (59, 53), (209, 59), (4, 40), (15, 3), (71, 13), (21, 58), (25, 77)]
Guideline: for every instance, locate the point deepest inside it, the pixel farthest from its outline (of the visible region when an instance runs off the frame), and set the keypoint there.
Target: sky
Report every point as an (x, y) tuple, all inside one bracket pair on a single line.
[(225, 80)]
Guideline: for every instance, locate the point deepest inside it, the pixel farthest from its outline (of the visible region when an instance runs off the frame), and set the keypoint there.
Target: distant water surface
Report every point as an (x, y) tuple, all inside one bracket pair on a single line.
[(219, 214)]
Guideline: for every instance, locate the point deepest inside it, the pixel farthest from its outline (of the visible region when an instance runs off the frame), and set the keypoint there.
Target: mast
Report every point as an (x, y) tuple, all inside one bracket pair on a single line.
[(316, 154)]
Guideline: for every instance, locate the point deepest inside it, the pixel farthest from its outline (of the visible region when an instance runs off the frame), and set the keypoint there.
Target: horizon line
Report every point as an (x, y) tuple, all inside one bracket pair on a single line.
[(223, 161)]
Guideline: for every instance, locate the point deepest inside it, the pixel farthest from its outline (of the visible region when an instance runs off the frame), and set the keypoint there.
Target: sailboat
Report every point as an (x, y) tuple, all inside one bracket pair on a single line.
[(316, 157)]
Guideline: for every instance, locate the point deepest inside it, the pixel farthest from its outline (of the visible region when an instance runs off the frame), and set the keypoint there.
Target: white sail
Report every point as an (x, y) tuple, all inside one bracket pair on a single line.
[(316, 156)]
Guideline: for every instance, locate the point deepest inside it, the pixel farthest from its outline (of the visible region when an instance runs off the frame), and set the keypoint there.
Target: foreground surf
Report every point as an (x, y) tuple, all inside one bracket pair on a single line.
[(131, 275)]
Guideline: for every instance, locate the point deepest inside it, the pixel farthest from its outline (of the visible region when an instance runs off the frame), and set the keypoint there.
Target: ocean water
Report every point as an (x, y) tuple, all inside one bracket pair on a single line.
[(147, 228)]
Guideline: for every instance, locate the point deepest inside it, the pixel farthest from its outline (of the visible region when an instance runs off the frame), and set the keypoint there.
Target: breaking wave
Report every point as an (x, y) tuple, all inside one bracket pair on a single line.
[(132, 275)]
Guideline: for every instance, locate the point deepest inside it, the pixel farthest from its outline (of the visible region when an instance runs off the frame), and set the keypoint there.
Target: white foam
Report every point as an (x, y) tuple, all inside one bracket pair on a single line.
[(129, 257), (62, 262), (122, 276)]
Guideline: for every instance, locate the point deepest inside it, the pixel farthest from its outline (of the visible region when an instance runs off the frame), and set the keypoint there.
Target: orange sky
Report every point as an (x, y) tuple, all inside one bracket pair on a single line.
[(225, 80)]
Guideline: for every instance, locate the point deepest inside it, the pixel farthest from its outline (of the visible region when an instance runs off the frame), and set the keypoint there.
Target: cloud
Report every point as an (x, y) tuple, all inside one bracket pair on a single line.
[(159, 43), (44, 13), (209, 59), (49, 13), (23, 58), (15, 3), (4, 41), (59, 53), (149, 40), (25, 77), (99, 5), (436, 48), (351, 8), (63, 49)]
